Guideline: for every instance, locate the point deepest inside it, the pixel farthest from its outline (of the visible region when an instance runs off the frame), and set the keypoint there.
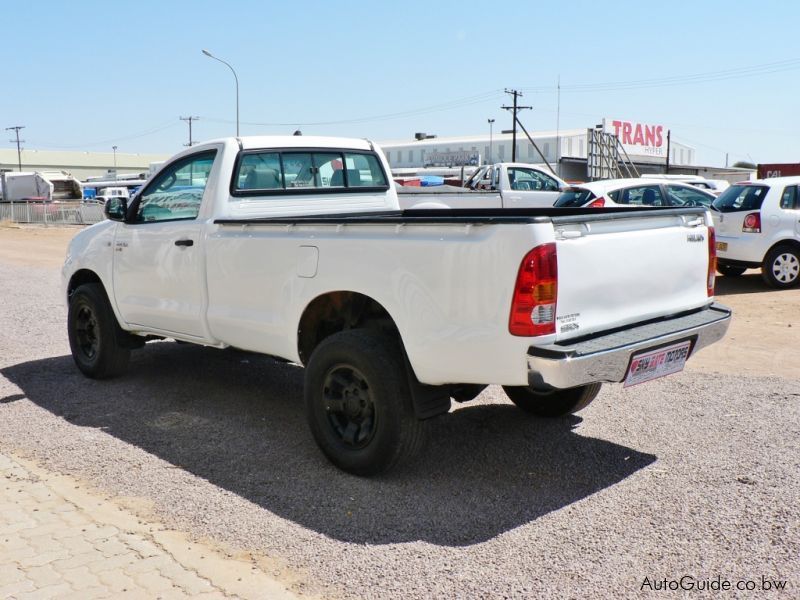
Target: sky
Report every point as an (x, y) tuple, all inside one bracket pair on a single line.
[(723, 77)]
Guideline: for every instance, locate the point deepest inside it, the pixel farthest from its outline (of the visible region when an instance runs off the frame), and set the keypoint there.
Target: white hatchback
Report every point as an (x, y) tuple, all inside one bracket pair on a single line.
[(757, 224), (633, 193)]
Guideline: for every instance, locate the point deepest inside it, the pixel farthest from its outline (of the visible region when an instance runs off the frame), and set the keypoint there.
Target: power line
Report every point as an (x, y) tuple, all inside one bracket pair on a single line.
[(169, 124), (189, 121), (693, 78), (16, 129), (450, 105)]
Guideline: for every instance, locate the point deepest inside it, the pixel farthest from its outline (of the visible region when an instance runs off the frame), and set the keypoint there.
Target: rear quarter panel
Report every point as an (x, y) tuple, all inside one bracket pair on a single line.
[(447, 287)]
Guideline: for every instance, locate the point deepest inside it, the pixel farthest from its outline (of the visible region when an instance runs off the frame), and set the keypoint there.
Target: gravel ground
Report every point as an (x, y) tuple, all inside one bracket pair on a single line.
[(695, 474)]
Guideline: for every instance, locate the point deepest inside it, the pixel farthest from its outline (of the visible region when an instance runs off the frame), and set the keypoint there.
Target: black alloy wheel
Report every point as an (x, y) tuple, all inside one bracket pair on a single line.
[(349, 405)]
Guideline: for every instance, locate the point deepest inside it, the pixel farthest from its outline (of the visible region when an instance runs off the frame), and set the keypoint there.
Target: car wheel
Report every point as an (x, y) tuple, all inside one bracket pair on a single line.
[(552, 403), (358, 402), (94, 334), (781, 267), (730, 271)]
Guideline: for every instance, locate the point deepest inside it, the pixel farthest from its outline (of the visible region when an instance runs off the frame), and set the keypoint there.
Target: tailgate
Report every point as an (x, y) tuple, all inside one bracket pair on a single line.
[(618, 269)]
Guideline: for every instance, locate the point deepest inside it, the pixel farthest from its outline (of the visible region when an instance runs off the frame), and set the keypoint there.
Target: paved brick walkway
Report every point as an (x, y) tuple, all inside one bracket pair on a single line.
[(58, 541)]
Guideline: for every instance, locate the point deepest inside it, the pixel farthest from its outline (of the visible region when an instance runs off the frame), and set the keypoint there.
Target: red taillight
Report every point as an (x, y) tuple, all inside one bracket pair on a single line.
[(599, 203), (712, 261), (752, 223), (533, 308)]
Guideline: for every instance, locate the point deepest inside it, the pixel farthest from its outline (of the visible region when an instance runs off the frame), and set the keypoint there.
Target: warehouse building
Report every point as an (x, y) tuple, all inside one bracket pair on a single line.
[(569, 152), (80, 164)]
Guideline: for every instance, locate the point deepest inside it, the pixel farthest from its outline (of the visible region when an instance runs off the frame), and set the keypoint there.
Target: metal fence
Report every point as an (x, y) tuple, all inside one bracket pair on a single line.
[(51, 213)]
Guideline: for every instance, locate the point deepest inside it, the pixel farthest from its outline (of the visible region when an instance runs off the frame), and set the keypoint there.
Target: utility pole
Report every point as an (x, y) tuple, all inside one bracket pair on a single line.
[(669, 131), (515, 109), (16, 128), (491, 122), (189, 121)]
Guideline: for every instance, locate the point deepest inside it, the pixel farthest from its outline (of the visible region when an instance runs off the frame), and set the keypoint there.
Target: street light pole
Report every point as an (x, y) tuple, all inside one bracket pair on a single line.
[(114, 148), (208, 54), (491, 122)]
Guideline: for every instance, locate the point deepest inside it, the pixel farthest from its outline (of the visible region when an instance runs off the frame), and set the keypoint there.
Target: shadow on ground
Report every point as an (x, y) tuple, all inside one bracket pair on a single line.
[(237, 420), (749, 283)]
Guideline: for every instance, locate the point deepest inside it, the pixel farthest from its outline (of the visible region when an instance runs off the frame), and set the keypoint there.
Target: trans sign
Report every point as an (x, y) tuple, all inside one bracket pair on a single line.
[(639, 139)]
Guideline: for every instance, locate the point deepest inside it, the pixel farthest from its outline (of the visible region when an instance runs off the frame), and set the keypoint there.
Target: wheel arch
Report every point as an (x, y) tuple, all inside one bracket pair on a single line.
[(791, 242), (335, 311), (81, 277)]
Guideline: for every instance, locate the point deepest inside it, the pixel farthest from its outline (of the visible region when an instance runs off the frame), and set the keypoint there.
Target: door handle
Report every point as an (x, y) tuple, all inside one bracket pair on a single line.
[(184, 242)]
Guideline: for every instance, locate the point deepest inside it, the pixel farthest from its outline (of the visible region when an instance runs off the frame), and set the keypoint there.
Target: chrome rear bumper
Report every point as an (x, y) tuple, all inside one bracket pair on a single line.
[(605, 357)]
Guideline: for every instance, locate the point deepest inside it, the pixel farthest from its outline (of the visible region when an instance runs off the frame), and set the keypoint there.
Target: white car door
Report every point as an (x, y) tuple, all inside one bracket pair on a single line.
[(159, 278), (530, 188)]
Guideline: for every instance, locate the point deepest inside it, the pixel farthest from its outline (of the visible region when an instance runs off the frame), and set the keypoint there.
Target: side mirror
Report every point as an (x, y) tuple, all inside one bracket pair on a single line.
[(116, 208)]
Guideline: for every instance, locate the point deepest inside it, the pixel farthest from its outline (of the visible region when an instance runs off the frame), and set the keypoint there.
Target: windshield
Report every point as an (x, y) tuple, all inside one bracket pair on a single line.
[(573, 197), (741, 198)]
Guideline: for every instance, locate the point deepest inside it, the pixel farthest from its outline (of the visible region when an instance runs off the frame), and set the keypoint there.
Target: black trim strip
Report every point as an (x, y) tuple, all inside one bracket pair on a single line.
[(477, 216)]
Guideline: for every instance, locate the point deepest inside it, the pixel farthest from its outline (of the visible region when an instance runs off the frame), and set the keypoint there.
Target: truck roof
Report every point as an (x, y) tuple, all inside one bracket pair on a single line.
[(252, 142)]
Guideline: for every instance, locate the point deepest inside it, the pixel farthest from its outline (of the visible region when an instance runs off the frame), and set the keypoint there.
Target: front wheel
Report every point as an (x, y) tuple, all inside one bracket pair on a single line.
[(358, 403), (94, 334), (781, 267), (552, 403)]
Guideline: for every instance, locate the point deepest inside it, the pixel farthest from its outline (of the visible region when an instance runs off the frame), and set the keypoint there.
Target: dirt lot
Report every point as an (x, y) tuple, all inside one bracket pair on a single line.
[(765, 320), (690, 475)]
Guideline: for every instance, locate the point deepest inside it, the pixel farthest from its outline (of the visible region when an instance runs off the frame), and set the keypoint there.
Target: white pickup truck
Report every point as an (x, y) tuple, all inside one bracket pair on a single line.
[(295, 247), (502, 185)]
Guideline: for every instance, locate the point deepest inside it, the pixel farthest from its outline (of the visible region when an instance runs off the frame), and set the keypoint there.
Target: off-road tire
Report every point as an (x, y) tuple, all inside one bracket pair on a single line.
[(552, 403), (95, 334), (358, 403)]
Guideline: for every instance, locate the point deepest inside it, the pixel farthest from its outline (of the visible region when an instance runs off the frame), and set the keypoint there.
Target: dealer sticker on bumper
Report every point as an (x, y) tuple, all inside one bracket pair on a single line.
[(653, 364)]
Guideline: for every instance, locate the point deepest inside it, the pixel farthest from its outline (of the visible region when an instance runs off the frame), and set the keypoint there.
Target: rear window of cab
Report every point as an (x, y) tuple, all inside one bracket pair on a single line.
[(741, 198), (260, 172)]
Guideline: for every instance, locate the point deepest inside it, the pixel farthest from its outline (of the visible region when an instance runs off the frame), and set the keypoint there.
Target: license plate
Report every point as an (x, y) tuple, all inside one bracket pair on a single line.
[(652, 364), (722, 246)]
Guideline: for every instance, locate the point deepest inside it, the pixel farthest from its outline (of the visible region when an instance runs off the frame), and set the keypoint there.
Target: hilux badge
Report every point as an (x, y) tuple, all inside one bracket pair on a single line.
[(695, 237)]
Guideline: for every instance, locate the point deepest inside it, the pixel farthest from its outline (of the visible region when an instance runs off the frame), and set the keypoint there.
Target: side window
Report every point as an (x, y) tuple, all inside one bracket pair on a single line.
[(789, 197), (529, 180), (486, 180), (178, 191), (686, 196), (649, 195)]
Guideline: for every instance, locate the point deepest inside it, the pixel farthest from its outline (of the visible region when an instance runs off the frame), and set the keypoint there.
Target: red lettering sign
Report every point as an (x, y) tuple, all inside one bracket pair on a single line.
[(637, 134)]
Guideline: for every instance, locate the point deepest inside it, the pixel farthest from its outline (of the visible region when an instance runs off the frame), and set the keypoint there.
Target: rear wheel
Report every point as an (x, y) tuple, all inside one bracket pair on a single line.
[(94, 334), (552, 403), (781, 267), (730, 270), (358, 403)]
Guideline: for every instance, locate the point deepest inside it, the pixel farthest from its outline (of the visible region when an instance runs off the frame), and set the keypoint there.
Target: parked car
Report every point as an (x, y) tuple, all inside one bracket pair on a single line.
[(295, 247), (712, 186), (758, 225), (502, 185), (633, 193), (112, 192)]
